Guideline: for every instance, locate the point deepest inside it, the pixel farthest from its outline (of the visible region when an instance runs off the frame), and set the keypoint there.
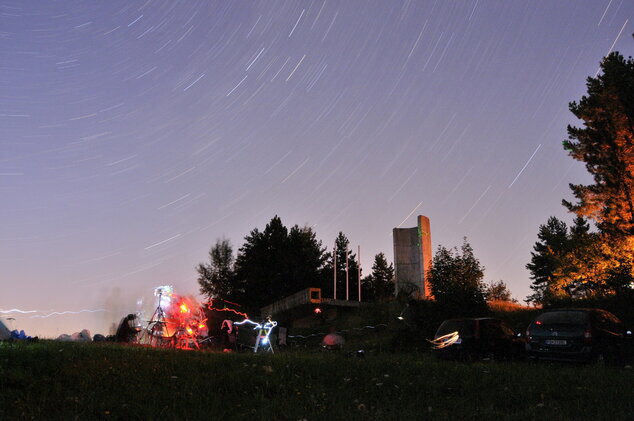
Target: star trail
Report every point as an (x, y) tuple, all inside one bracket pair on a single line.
[(133, 134)]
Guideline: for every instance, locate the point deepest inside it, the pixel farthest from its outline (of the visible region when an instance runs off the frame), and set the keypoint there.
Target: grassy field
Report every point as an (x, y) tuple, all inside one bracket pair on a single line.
[(51, 380)]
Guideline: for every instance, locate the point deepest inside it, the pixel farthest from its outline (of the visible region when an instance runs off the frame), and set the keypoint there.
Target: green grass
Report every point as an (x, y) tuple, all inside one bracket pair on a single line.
[(51, 380)]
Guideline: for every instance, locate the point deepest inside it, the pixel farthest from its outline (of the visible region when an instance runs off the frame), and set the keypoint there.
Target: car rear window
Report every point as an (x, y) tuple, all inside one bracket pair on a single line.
[(563, 317), (465, 328)]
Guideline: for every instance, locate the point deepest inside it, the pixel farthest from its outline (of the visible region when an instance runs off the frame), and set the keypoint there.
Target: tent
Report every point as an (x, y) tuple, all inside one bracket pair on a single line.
[(5, 333)]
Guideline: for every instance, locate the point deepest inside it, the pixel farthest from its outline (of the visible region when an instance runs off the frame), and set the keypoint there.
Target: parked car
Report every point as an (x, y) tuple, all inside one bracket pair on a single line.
[(575, 334), (476, 338)]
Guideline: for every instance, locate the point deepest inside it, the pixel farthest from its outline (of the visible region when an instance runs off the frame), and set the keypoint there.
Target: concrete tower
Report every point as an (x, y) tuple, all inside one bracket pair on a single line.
[(412, 257)]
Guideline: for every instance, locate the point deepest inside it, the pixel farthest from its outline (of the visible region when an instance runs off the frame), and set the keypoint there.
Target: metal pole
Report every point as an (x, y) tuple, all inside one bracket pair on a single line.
[(347, 273), (334, 270), (359, 267)]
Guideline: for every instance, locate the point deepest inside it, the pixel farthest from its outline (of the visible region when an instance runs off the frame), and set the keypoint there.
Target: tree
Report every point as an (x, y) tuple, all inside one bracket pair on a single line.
[(577, 263), (217, 278), (581, 263), (546, 259), (497, 291), (606, 145), (580, 268), (307, 258), (275, 263), (595, 267), (379, 285), (456, 280), (259, 264)]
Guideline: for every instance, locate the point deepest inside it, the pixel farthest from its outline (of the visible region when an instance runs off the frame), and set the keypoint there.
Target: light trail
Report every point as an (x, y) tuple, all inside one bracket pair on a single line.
[(297, 23), (211, 307), (263, 334), (410, 214), (525, 165), (296, 67), (474, 205), (162, 242), (15, 310), (445, 340), (613, 44), (61, 313)]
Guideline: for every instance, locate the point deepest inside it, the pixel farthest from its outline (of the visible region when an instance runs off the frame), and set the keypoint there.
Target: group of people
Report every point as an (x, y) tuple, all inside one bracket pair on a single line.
[(129, 328)]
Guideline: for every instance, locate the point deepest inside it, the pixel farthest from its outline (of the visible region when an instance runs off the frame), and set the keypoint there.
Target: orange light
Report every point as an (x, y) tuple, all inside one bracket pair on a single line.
[(184, 308), (189, 330), (201, 326), (211, 307)]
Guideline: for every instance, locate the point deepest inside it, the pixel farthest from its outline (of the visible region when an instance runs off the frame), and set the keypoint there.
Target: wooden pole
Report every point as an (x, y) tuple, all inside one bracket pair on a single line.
[(347, 278), (359, 267), (334, 271)]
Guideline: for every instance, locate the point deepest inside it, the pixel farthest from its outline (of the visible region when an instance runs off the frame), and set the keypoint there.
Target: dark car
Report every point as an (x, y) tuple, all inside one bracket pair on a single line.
[(476, 338), (577, 335)]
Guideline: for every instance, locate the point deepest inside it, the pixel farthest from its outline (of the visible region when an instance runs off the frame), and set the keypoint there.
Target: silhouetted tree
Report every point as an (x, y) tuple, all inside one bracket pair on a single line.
[(307, 258), (547, 258), (456, 280), (217, 278), (259, 265), (275, 263), (379, 285), (497, 291)]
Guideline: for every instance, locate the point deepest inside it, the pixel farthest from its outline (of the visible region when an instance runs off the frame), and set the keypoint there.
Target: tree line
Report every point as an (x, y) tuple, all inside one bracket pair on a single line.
[(276, 262)]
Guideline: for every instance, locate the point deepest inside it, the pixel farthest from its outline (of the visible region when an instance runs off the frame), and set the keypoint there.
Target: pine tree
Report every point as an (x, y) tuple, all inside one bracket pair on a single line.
[(275, 263), (306, 259), (606, 145), (379, 285), (546, 259)]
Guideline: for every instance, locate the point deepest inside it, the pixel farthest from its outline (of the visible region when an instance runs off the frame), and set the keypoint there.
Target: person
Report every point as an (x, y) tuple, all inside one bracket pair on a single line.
[(127, 330), (229, 335), (282, 333), (332, 341)]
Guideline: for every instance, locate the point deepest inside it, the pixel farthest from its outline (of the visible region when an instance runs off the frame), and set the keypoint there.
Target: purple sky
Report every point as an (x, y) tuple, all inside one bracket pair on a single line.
[(133, 134)]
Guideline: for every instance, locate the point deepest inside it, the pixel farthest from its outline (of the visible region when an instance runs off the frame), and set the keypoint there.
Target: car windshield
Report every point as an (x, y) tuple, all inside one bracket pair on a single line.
[(563, 318), (465, 328)]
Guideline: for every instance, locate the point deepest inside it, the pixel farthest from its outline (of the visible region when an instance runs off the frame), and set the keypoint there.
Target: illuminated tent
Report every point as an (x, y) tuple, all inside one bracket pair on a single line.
[(5, 333)]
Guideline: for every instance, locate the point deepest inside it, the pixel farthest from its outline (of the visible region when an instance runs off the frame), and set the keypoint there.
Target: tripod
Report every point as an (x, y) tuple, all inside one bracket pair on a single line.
[(157, 327)]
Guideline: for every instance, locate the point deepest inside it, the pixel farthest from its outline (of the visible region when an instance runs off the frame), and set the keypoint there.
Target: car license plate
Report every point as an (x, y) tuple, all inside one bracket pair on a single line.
[(555, 342)]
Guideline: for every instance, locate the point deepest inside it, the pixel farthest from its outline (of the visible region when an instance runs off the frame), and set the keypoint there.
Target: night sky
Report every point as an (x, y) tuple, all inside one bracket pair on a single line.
[(133, 134)]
